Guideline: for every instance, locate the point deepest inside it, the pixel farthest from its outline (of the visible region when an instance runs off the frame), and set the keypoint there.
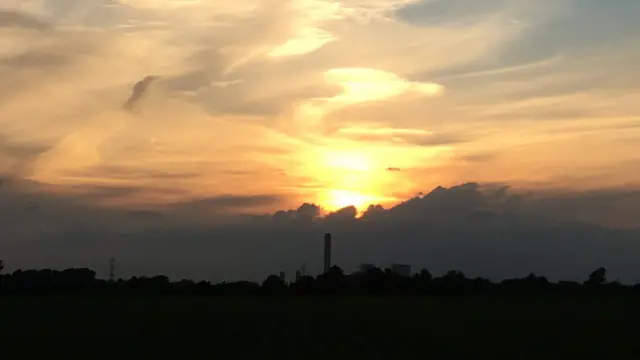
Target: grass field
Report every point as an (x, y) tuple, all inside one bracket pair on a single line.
[(368, 328)]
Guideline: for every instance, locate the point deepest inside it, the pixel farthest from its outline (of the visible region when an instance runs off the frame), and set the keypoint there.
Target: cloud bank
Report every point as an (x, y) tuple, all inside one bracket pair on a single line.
[(486, 230)]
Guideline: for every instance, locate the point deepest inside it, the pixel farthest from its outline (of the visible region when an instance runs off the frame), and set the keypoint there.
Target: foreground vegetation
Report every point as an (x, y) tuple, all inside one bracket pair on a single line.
[(373, 282), (377, 314), (362, 327)]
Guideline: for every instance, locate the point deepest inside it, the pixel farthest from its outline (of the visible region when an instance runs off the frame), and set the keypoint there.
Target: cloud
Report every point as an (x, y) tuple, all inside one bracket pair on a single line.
[(16, 156), (418, 137), (362, 85), (226, 202), (230, 44), (460, 12), (138, 91), (10, 19), (305, 213)]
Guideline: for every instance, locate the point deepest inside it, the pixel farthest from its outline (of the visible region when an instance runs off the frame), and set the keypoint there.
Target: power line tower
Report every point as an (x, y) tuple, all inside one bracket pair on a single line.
[(112, 269)]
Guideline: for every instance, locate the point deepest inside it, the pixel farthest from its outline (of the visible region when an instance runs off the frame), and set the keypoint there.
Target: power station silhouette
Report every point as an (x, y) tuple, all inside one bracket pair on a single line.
[(400, 269), (327, 252)]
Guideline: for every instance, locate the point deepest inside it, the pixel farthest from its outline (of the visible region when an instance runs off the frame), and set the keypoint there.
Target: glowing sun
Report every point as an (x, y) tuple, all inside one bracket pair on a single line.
[(351, 176), (338, 199)]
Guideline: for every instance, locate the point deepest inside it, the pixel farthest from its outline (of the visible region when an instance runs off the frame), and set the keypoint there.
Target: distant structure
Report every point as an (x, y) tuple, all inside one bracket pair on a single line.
[(364, 268), (283, 276), (327, 252), (298, 275), (401, 269), (112, 269), (304, 269)]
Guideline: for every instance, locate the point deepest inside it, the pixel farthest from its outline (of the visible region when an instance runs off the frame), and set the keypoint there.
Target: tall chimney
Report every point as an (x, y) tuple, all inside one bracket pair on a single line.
[(327, 252)]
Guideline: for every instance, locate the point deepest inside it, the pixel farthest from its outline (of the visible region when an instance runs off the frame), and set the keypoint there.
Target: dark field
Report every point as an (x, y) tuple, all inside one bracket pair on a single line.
[(368, 328)]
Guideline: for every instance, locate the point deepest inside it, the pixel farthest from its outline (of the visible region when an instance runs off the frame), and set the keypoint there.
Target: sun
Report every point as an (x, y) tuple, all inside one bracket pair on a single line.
[(347, 174), (350, 176), (338, 199)]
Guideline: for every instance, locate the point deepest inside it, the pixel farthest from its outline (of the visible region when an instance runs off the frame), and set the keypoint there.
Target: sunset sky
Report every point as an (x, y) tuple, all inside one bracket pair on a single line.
[(336, 103), (263, 105)]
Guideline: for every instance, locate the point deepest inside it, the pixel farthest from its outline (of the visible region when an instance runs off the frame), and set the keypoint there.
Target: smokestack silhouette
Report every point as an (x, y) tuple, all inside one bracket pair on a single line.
[(112, 269), (327, 252), (139, 89)]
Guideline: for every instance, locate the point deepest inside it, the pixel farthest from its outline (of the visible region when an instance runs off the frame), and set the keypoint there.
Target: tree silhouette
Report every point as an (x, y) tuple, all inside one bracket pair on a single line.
[(1, 268), (332, 282), (424, 275), (273, 284), (336, 282), (597, 277)]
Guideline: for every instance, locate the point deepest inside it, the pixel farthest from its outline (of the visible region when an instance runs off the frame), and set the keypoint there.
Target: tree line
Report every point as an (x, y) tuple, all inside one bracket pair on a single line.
[(375, 281)]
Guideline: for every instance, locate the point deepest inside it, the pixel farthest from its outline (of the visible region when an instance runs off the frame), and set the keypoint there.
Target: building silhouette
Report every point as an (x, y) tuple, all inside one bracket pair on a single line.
[(327, 252)]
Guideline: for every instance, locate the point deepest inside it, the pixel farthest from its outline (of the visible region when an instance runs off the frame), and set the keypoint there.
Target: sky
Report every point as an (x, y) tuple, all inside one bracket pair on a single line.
[(260, 106)]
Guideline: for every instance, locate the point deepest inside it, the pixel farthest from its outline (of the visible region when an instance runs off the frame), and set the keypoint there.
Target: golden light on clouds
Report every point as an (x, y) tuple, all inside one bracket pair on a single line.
[(262, 97), (355, 173), (307, 40), (362, 85), (348, 160), (338, 199)]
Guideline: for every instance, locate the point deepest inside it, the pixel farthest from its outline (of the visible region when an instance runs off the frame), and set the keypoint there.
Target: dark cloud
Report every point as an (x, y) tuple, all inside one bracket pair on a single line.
[(348, 213), (88, 194), (306, 213), (234, 201), (19, 155), (481, 229), (478, 157), (21, 150), (612, 207), (138, 91)]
